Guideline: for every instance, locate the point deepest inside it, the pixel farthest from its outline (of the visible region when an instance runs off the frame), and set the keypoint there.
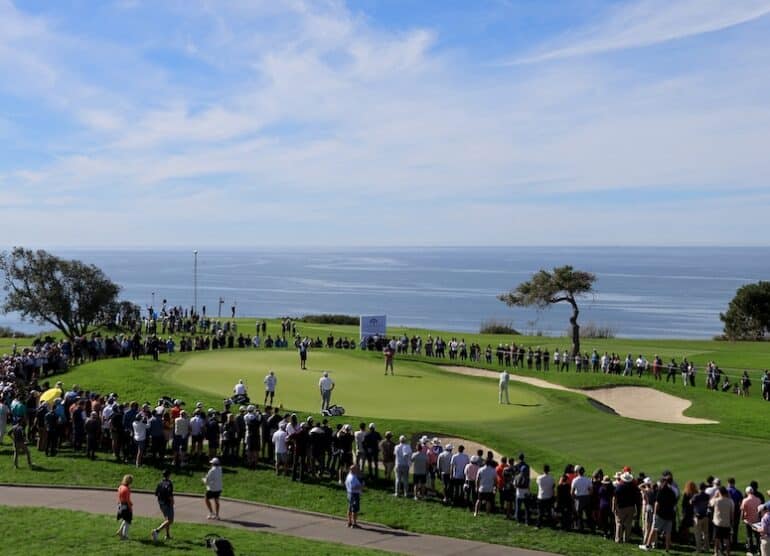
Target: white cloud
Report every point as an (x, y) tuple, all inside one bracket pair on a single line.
[(315, 115), (646, 22)]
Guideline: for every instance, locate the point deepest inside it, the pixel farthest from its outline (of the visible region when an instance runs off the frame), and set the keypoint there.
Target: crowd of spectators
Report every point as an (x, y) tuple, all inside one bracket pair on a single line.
[(617, 505)]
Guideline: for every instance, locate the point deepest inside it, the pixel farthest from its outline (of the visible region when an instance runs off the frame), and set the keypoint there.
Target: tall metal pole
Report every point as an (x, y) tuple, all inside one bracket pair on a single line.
[(195, 282)]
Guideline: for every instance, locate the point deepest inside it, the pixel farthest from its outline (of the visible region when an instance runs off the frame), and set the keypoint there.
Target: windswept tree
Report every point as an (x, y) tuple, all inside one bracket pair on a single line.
[(748, 315), (564, 284), (69, 295)]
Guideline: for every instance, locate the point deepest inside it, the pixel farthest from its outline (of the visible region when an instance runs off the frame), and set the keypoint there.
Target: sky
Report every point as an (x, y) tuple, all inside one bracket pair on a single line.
[(196, 123)]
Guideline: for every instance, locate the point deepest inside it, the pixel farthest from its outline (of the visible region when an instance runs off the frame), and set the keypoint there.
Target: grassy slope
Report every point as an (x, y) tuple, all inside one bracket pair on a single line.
[(568, 429), (72, 532)]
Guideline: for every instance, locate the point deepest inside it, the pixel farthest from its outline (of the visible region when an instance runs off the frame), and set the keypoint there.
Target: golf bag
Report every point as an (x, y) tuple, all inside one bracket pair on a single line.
[(333, 411), (240, 399), (219, 545)]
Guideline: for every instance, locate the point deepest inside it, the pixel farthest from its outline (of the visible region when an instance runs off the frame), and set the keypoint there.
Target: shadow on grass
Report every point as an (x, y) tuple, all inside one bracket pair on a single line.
[(247, 524)]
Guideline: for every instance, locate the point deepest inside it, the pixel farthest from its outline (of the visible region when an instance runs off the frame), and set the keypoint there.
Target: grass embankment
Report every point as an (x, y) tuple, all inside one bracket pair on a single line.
[(70, 532)]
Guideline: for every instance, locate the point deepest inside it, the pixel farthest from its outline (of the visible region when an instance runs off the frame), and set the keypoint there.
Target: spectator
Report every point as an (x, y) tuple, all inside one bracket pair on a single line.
[(353, 487), (125, 507), (213, 482), (403, 453), (164, 492)]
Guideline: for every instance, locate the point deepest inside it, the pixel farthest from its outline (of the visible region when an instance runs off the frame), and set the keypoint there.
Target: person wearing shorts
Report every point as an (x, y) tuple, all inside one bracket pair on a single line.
[(486, 481), (164, 492), (213, 482), (722, 519), (664, 512), (420, 470), (353, 487)]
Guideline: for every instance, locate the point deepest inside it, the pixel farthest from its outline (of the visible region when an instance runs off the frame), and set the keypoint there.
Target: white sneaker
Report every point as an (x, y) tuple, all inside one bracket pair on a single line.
[(644, 547)]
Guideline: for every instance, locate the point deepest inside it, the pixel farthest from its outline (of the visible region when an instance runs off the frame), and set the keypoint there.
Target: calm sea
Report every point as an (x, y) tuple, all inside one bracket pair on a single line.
[(640, 292)]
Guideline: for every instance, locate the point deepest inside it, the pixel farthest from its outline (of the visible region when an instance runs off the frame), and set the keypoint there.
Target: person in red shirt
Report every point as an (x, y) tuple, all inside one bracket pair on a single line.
[(125, 507)]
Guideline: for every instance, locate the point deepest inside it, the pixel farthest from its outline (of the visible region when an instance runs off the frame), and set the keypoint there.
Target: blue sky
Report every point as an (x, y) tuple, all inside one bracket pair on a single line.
[(384, 122)]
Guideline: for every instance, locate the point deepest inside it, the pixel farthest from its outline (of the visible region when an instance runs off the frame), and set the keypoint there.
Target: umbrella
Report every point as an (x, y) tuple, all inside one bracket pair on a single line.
[(51, 394)]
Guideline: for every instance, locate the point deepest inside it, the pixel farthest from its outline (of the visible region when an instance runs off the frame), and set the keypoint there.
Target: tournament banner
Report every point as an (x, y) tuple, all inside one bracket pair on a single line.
[(372, 325)]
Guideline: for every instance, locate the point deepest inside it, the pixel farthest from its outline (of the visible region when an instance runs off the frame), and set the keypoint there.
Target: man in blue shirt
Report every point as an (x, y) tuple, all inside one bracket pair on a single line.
[(353, 487)]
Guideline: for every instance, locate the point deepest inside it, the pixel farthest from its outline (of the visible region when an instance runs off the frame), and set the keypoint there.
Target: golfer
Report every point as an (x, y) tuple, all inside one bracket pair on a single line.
[(213, 482), (302, 355), (270, 381), (503, 394), (325, 385), (389, 353), (164, 492)]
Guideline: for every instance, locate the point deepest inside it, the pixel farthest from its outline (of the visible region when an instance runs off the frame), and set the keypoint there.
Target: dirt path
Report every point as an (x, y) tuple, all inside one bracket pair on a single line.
[(635, 402)]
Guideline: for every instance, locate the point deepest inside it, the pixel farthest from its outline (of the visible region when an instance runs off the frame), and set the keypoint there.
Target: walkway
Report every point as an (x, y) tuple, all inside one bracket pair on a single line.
[(253, 516)]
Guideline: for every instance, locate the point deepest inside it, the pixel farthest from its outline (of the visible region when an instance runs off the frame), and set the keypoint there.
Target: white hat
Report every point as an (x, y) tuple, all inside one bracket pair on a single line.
[(448, 447), (326, 374), (251, 408), (371, 425), (402, 438), (199, 404), (626, 477), (749, 490), (423, 439), (436, 441), (214, 461)]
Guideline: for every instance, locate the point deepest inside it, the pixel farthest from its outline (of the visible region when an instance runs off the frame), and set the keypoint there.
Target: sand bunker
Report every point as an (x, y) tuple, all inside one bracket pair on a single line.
[(635, 402)]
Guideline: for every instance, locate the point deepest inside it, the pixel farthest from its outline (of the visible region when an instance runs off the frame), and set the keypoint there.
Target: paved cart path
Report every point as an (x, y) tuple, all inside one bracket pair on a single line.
[(252, 516)]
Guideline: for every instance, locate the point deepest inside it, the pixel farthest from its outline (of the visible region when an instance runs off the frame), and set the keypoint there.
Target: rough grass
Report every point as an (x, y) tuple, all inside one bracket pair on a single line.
[(70, 532)]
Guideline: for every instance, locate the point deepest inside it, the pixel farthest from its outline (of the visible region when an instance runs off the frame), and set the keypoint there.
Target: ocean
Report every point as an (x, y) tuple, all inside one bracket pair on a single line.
[(643, 292)]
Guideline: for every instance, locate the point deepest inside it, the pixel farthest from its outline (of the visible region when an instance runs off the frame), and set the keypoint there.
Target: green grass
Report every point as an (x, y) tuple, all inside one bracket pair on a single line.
[(416, 391), (550, 426), (71, 532)]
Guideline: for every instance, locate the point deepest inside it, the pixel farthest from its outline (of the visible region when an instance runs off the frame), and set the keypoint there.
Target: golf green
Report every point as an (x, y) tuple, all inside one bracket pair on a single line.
[(417, 391)]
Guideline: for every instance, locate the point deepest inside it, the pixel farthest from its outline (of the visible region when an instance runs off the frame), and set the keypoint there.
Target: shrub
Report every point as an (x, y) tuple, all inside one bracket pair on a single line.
[(331, 319), (494, 326), (593, 330), (7, 332)]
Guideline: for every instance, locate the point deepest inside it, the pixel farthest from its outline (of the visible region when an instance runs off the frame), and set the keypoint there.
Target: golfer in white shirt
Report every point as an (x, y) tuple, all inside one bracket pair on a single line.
[(325, 385), (503, 394), (270, 381)]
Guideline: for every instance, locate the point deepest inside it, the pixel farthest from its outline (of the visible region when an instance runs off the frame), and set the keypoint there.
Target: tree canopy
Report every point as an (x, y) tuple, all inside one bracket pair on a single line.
[(748, 314), (564, 284), (67, 294)]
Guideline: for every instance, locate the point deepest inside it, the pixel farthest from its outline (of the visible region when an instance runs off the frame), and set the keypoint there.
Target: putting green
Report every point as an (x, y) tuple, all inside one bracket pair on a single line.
[(416, 391)]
